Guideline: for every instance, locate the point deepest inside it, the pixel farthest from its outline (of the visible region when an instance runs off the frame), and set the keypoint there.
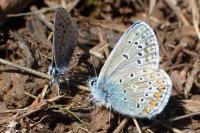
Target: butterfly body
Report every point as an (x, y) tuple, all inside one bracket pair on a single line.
[(64, 42), (130, 81)]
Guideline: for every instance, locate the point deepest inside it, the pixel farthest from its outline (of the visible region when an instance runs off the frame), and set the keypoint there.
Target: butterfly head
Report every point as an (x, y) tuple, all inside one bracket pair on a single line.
[(100, 95), (92, 82)]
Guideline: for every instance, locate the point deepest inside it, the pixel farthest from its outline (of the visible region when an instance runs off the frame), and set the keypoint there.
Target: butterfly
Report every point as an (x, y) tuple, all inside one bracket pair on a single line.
[(131, 82), (64, 42)]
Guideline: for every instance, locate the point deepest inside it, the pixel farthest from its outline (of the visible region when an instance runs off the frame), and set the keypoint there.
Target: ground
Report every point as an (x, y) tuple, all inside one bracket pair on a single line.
[(26, 105)]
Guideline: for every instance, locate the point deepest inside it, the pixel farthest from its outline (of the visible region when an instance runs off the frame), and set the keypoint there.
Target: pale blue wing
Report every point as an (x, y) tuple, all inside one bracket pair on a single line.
[(140, 93), (132, 73), (137, 48)]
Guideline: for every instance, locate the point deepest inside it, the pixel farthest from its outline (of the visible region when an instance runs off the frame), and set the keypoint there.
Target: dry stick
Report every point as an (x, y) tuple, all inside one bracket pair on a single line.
[(195, 16), (42, 18), (121, 126), (152, 4), (37, 73), (182, 117), (177, 50), (178, 12), (31, 13), (31, 71), (190, 80), (137, 125)]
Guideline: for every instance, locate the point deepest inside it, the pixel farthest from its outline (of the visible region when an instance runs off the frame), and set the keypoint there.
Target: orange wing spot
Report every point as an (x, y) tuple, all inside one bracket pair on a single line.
[(153, 103), (146, 110), (152, 76), (157, 95), (148, 49), (161, 84)]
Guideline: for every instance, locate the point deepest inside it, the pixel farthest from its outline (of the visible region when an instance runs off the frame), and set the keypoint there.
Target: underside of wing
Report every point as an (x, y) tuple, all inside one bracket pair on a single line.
[(65, 38), (141, 93), (137, 48)]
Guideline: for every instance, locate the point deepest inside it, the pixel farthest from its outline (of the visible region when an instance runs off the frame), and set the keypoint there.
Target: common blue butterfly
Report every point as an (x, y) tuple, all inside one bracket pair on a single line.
[(64, 42), (131, 81)]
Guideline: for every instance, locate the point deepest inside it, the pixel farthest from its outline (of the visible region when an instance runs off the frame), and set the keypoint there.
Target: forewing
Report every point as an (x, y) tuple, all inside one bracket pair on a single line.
[(141, 92), (137, 48), (65, 39)]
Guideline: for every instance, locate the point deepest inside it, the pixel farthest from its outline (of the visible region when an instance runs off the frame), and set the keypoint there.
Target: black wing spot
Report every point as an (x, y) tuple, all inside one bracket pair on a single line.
[(136, 43), (139, 46), (129, 42), (141, 78), (140, 54), (139, 62), (150, 82), (125, 56), (120, 80), (124, 91), (131, 75), (138, 105)]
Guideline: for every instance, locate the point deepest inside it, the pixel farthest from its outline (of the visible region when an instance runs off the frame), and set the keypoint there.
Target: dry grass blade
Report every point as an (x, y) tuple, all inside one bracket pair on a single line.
[(190, 80), (31, 71), (121, 126), (178, 12), (152, 4), (195, 16), (137, 125)]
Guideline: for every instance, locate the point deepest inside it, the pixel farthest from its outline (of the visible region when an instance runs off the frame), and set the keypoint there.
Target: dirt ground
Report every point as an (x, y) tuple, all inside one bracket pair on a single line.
[(26, 105)]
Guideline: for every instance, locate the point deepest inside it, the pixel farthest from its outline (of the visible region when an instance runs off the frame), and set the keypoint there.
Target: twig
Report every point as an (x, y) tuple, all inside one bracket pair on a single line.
[(30, 95), (195, 16), (137, 125), (177, 50), (71, 113), (121, 126), (190, 80), (31, 13), (42, 18), (177, 11), (182, 117), (31, 71)]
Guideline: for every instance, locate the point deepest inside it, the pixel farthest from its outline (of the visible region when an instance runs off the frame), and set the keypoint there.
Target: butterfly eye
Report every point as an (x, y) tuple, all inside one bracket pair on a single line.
[(93, 82)]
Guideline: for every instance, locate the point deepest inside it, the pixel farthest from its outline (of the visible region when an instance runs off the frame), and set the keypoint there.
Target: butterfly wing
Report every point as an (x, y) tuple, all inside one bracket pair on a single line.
[(65, 39), (140, 92), (131, 81), (137, 47)]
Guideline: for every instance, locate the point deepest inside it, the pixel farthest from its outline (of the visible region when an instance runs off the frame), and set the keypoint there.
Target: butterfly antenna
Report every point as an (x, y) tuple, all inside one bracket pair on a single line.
[(94, 68)]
